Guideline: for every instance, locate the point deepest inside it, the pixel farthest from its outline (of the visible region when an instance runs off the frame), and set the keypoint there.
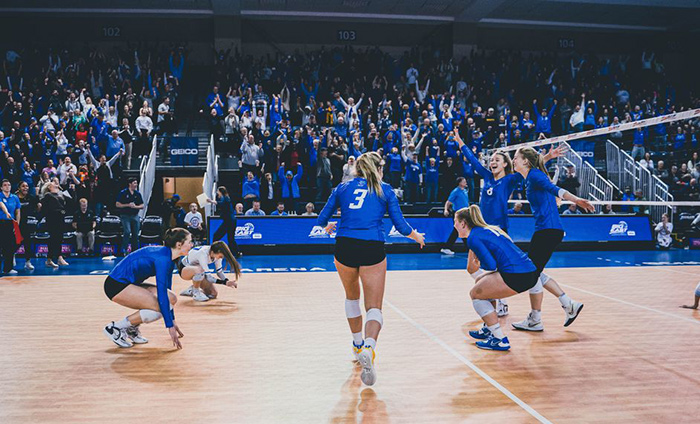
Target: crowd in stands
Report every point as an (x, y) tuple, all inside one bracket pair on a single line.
[(298, 121), (72, 120)]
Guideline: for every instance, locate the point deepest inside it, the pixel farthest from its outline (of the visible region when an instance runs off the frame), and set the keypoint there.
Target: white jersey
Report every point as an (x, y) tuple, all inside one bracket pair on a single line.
[(199, 256)]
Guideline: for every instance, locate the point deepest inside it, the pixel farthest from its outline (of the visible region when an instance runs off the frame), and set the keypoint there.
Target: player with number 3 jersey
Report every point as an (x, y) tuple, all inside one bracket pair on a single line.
[(359, 250)]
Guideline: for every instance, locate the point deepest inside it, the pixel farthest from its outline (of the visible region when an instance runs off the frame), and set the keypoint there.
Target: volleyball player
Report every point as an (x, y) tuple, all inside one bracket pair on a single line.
[(499, 183), (195, 265), (549, 232), (125, 286), (499, 268), (697, 299), (359, 250)]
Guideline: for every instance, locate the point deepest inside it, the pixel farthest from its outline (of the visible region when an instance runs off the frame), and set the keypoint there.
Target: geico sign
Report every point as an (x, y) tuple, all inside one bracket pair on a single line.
[(184, 151), (585, 154)]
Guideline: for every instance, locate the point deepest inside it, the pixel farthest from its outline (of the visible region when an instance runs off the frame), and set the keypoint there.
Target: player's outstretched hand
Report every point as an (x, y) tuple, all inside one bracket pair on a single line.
[(175, 335), (585, 205), (330, 228), (417, 237)]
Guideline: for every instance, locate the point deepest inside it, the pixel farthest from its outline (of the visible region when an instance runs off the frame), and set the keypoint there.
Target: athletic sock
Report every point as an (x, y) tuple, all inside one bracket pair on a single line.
[(496, 330), (565, 301), (357, 339), (370, 342), (536, 315), (124, 323)]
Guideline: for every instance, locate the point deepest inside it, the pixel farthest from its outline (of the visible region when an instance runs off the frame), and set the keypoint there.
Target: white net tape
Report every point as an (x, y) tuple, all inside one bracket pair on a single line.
[(678, 116)]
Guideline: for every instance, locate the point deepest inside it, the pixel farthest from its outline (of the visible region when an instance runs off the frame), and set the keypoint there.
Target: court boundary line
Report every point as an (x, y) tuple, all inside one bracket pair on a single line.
[(624, 302), (530, 410)]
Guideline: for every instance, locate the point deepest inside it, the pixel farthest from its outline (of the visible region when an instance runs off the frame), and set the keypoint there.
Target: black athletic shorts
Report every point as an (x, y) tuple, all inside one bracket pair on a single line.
[(180, 265), (355, 253), (114, 287), (522, 281), (543, 244)]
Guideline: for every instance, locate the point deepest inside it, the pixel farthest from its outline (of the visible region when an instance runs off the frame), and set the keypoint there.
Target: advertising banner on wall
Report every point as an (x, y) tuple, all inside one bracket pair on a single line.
[(299, 230)]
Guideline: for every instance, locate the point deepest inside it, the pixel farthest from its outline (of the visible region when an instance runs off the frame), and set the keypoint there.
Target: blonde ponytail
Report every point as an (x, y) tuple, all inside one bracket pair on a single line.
[(473, 218), (368, 166), (534, 159)]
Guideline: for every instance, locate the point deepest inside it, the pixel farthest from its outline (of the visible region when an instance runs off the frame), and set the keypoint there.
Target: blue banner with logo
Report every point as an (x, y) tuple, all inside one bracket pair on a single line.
[(299, 230), (183, 151), (585, 149)]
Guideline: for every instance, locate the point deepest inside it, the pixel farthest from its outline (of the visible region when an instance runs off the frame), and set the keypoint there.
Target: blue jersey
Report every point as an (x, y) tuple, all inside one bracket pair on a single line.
[(11, 203), (495, 192), (541, 194), (498, 252), (459, 197), (150, 261), (362, 211)]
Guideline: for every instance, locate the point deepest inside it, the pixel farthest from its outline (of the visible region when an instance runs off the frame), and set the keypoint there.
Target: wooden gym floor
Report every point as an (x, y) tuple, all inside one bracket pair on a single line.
[(277, 350)]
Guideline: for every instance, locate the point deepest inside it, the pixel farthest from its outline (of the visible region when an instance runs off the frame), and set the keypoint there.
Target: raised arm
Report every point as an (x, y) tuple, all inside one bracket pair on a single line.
[(473, 160)]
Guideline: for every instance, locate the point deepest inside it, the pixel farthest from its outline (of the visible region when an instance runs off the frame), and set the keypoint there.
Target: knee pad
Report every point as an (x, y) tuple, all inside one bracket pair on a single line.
[(537, 287), (199, 276), (697, 290), (149, 315), (352, 308), (544, 279), (483, 307), (375, 314)]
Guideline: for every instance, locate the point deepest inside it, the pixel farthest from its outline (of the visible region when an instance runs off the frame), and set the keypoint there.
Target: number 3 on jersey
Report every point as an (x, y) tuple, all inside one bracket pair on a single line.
[(359, 199)]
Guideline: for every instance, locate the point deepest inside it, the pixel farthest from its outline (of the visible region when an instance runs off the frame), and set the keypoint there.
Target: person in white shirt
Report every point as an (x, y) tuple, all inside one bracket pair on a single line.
[(646, 162), (349, 172), (194, 267), (194, 220), (412, 75), (578, 116), (663, 232), (65, 170), (310, 210), (144, 127)]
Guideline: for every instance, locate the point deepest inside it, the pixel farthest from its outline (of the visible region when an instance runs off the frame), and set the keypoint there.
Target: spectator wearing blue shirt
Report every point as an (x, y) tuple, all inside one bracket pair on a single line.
[(458, 199), (280, 210), (99, 128), (114, 144), (679, 140), (589, 116), (544, 119), (129, 203), (432, 177), (527, 126), (215, 102), (413, 177), (517, 209), (640, 135), (290, 186), (10, 208), (395, 161), (250, 190)]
